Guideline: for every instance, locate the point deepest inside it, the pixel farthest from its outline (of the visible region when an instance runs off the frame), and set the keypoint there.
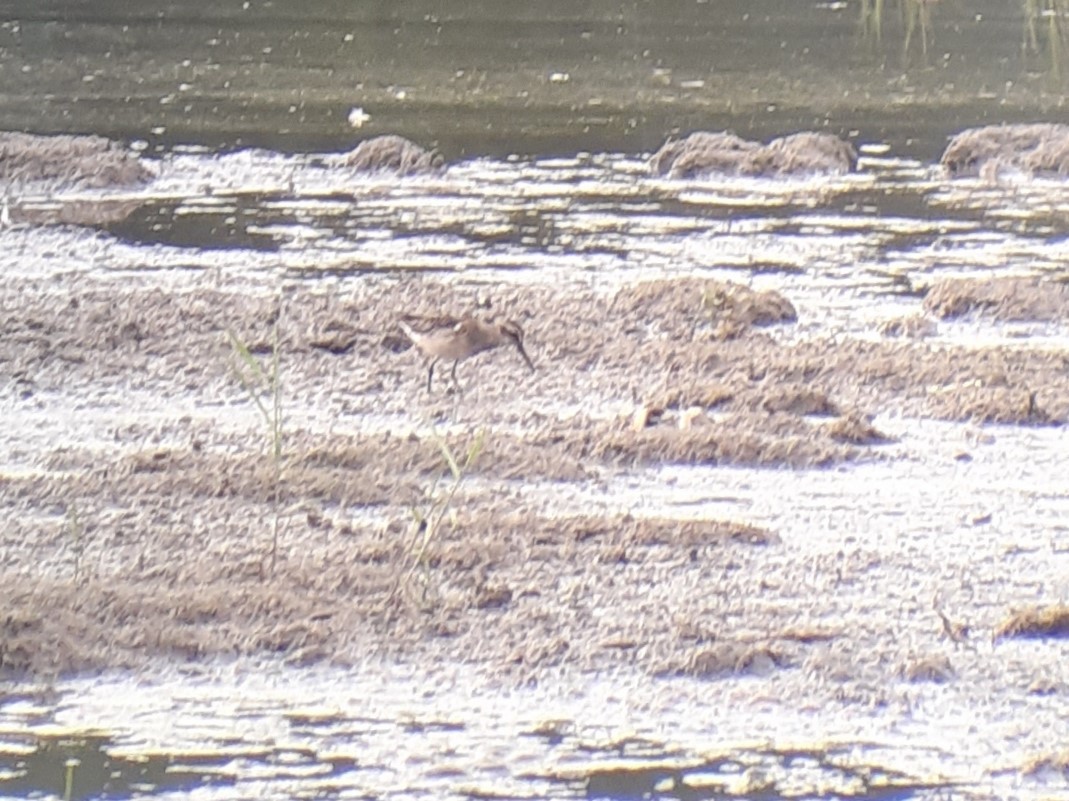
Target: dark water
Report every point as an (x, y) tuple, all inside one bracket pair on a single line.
[(490, 78)]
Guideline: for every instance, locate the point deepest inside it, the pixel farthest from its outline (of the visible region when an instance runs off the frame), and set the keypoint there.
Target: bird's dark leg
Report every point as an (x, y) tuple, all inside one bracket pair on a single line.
[(430, 375), (453, 373)]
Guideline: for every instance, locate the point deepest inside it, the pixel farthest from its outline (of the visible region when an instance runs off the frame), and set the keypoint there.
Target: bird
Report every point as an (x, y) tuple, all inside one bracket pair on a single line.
[(461, 339)]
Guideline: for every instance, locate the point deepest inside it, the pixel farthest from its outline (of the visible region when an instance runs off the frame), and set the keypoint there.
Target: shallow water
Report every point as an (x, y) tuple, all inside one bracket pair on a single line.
[(965, 518), (846, 256), (493, 79), (453, 732)]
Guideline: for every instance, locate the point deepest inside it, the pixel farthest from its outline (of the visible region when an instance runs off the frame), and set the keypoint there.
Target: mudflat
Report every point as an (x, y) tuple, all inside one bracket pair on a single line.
[(149, 514)]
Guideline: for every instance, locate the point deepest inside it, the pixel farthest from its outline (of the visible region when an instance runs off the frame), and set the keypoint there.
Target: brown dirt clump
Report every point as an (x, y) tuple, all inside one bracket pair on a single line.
[(681, 306), (735, 308), (71, 161), (702, 395), (728, 659), (936, 668), (51, 165), (392, 153), (1005, 299), (742, 439), (987, 404), (915, 326), (704, 152), (855, 429), (334, 587), (95, 212), (1044, 621), (949, 383), (1033, 148), (362, 469), (58, 626), (798, 399), (809, 152)]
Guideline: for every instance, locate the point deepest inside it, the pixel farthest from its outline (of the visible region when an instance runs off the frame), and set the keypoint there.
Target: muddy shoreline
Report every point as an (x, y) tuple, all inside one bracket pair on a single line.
[(155, 539)]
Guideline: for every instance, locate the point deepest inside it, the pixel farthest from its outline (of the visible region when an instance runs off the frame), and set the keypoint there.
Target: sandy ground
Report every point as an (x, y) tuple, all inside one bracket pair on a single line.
[(143, 503)]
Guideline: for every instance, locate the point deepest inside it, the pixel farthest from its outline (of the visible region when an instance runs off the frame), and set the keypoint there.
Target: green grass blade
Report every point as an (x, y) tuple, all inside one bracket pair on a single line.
[(447, 454)]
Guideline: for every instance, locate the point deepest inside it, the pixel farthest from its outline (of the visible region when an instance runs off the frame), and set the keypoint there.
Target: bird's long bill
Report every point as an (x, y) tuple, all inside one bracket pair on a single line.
[(523, 353)]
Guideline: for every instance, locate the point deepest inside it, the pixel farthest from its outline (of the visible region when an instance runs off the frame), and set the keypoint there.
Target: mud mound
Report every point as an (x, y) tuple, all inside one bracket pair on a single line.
[(681, 305), (367, 470), (809, 152), (735, 308), (855, 429), (799, 399), (961, 383), (704, 396), (773, 409), (705, 152), (68, 161), (1006, 299), (328, 595), (95, 212), (936, 669), (916, 326), (728, 659), (1043, 621), (1033, 148), (59, 627), (736, 394), (738, 439), (392, 153)]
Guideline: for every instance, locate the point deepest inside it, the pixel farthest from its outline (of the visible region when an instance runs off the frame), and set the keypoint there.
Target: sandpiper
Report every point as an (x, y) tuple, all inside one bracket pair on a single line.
[(462, 339)]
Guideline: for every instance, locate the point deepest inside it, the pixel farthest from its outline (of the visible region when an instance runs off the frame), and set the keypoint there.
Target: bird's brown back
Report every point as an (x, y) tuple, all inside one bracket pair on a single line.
[(466, 338)]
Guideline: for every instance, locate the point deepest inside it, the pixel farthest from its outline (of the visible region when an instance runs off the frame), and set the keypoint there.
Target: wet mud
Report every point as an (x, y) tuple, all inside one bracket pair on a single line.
[(68, 161), (803, 153), (36, 170), (393, 154), (1002, 299), (1035, 149), (189, 538)]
